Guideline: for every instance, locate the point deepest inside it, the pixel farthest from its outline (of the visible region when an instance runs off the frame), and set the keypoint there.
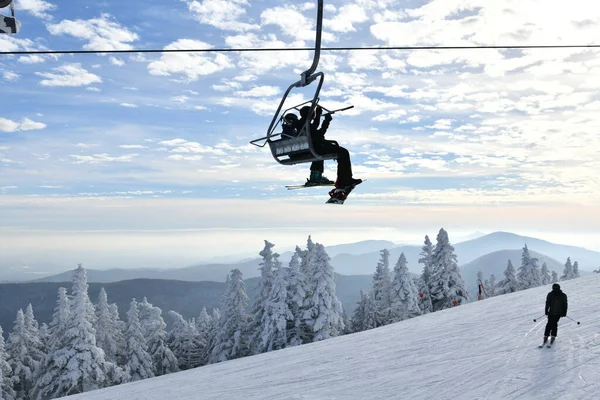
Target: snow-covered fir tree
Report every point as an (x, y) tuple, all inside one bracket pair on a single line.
[(277, 313), (510, 283), (447, 285), (490, 285), (255, 328), (370, 318), (358, 317), (23, 357), (425, 279), (527, 275), (44, 337), (232, 342), (215, 324), (204, 326), (568, 271), (106, 330), (380, 292), (6, 374), (139, 363), (403, 293), (554, 276), (154, 332), (545, 275), (177, 339), (575, 269), (322, 309), (78, 365), (196, 346), (295, 298), (119, 333), (536, 274)]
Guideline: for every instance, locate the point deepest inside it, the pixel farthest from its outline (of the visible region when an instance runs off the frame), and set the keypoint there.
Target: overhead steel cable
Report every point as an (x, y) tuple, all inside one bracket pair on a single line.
[(275, 49)]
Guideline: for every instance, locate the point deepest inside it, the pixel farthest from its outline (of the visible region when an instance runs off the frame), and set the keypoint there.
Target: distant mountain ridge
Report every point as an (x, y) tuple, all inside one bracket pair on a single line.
[(361, 258)]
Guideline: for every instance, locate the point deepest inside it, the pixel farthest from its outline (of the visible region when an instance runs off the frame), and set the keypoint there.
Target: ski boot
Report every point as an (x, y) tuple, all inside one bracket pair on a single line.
[(544, 342)]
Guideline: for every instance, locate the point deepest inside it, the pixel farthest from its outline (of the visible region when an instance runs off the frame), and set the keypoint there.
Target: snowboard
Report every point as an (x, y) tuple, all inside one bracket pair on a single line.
[(340, 199)]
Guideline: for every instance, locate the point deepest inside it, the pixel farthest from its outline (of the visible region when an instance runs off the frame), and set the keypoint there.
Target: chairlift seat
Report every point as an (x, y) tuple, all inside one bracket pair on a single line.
[(295, 150)]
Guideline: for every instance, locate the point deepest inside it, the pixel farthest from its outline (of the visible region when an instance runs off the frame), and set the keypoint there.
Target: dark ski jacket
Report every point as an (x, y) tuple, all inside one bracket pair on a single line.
[(556, 303)]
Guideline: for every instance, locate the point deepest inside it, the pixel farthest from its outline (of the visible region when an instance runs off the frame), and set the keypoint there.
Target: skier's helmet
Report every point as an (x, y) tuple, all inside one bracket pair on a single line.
[(556, 286)]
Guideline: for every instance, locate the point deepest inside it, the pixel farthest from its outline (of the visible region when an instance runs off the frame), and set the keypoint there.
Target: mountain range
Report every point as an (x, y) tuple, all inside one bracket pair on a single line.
[(361, 258)]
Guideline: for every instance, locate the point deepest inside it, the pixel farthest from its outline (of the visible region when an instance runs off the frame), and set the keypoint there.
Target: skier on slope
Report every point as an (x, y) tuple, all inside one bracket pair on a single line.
[(556, 307)]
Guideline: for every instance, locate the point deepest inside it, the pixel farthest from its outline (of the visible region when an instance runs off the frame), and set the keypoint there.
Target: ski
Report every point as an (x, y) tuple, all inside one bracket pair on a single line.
[(308, 185)]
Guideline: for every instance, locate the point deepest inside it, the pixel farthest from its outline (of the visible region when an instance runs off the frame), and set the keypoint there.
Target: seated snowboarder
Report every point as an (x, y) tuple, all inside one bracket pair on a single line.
[(556, 307), (324, 146)]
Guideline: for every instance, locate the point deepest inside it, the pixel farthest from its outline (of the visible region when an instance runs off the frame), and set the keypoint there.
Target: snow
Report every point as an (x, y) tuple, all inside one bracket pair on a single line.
[(481, 350)]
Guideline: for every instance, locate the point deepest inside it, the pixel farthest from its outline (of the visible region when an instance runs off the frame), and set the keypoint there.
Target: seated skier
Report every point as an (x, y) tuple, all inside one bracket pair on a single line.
[(289, 126), (323, 146)]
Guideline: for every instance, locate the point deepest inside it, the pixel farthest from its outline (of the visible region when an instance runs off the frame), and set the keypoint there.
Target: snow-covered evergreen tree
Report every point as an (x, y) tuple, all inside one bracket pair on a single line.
[(568, 271), (154, 332), (322, 309), (447, 285), (380, 292), (554, 276), (424, 284), (255, 328), (536, 274), (106, 331), (60, 319), (78, 365), (370, 317), (295, 299), (510, 283), (6, 374), (204, 325), (575, 269), (232, 341), (177, 339), (139, 362), (526, 274), (404, 296), (277, 313), (490, 286), (22, 357), (545, 275), (358, 317)]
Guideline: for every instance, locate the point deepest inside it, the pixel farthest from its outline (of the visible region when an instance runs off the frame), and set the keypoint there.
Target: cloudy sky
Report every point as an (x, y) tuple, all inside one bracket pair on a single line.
[(128, 155)]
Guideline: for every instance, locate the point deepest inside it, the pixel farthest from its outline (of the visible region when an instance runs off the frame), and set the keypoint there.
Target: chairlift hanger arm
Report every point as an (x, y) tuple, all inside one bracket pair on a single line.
[(306, 74)]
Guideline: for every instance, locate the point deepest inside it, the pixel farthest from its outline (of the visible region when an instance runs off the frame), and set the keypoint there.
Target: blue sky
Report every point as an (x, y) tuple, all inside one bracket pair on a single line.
[(469, 140)]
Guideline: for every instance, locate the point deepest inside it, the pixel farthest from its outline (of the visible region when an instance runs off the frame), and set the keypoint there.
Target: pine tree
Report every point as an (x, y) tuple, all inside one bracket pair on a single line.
[(358, 317), (177, 339), (447, 286), (78, 364), (277, 313), (6, 374), (575, 269), (370, 317), (119, 333), (269, 260), (232, 341), (545, 275), (22, 357), (296, 294), (404, 297), (526, 275), (139, 362), (554, 276), (510, 283), (490, 286), (568, 271), (154, 332), (536, 275), (204, 325), (323, 310), (106, 331), (381, 289), (425, 281)]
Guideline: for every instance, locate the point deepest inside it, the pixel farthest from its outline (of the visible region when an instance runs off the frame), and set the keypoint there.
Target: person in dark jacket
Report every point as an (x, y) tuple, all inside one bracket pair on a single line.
[(323, 146), (556, 307)]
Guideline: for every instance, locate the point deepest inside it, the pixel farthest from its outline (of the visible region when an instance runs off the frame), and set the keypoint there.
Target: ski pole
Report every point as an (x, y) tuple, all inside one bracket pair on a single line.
[(535, 319), (578, 323)]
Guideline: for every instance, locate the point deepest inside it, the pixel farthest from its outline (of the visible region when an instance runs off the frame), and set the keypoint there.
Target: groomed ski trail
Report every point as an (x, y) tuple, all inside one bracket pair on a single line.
[(483, 350)]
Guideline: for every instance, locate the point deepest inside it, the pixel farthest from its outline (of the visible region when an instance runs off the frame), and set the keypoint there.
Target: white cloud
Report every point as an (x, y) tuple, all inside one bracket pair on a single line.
[(180, 99), (37, 8), (10, 76), (101, 33), (101, 158), (260, 91), (190, 65), (93, 89), (132, 146), (32, 59), (116, 61), (348, 15), (222, 14), (6, 125), (68, 75), (128, 105), (184, 146)]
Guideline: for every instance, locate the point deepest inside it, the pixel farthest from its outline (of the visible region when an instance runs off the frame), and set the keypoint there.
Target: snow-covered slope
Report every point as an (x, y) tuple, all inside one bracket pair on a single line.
[(482, 350)]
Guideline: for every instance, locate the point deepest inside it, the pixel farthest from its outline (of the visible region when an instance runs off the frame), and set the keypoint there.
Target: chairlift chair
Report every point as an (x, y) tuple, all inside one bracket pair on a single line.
[(9, 25), (295, 150)]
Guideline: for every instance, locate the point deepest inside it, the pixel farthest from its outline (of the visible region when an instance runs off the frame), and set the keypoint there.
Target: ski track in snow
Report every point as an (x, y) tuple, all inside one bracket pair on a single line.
[(485, 350)]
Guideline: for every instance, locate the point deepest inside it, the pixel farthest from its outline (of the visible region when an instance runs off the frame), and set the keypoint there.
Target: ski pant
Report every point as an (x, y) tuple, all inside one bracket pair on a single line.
[(344, 169), (552, 325)]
